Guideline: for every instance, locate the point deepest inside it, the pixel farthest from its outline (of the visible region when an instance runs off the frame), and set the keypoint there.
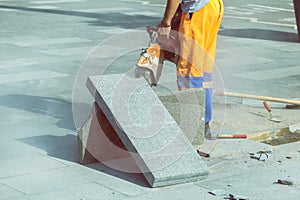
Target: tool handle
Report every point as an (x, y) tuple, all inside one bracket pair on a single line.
[(237, 136), (291, 106), (263, 98), (267, 106)]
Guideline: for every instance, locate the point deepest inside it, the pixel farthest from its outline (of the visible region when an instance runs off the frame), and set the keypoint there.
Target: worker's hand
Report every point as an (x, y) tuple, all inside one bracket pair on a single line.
[(163, 30)]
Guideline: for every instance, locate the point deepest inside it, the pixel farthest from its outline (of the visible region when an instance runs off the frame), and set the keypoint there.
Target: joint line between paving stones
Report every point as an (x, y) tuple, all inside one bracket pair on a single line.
[(39, 170), (224, 177), (25, 193), (58, 159), (116, 190)]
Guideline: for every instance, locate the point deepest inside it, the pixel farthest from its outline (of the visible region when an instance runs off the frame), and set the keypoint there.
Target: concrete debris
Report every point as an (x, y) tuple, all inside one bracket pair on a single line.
[(294, 128), (261, 155), (227, 195), (219, 193), (284, 182), (236, 197), (203, 154), (265, 151)]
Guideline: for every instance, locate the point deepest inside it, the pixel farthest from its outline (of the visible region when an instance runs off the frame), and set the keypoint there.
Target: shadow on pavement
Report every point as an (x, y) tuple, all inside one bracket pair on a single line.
[(65, 148), (260, 34), (136, 178), (52, 107), (108, 19), (61, 147)]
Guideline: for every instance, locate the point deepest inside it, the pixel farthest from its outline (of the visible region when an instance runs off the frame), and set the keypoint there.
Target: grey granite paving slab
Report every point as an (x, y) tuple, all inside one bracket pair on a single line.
[(36, 41), (11, 148), (86, 191), (124, 187), (79, 51), (227, 147), (161, 150), (12, 167), (234, 165), (188, 110), (48, 180), (16, 38), (184, 192), (8, 193), (28, 76), (143, 13), (280, 192), (66, 156), (290, 149), (51, 143), (271, 73), (44, 7), (17, 62), (231, 158), (103, 10), (293, 47), (257, 181), (7, 10), (130, 184), (56, 1)]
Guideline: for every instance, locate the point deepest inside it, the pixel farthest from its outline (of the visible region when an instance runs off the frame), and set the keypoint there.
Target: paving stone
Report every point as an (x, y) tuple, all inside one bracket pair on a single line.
[(44, 7), (7, 10), (142, 13), (271, 73), (290, 149), (188, 110), (131, 184), (11, 148), (103, 10), (79, 51), (28, 76), (125, 187), (12, 167), (8, 193), (280, 192), (22, 62), (256, 182), (52, 41), (86, 191), (227, 147), (48, 180), (113, 30), (51, 143), (66, 156), (156, 143), (55, 1), (186, 192)]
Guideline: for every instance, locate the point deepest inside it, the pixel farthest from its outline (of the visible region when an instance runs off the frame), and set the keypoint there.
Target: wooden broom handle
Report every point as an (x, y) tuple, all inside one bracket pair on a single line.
[(263, 98)]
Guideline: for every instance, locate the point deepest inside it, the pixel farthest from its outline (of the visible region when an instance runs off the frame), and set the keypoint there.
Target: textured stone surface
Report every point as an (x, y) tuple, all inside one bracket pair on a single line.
[(188, 110), (158, 146)]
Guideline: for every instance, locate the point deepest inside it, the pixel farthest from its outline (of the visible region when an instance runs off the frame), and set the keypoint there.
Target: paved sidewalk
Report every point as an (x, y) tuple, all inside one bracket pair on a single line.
[(43, 45)]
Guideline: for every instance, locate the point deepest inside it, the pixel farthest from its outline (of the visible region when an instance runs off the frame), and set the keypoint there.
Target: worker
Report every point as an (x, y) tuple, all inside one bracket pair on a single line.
[(197, 34)]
